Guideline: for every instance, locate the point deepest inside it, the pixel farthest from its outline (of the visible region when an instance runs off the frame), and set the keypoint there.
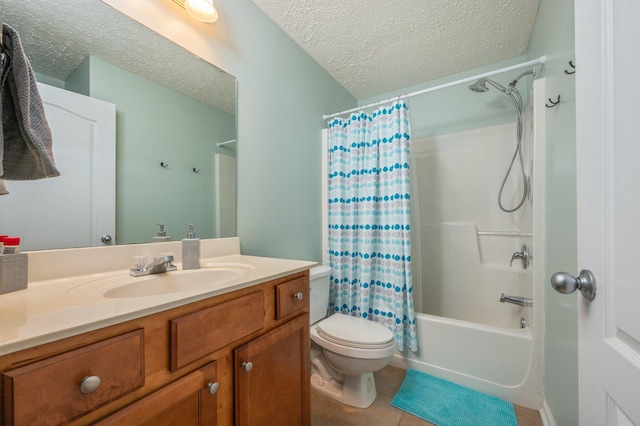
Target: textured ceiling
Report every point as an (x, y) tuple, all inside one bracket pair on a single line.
[(373, 47), (58, 36)]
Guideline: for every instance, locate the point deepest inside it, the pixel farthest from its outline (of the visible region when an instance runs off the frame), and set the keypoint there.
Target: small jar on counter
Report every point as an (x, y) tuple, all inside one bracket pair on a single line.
[(10, 245), (14, 266)]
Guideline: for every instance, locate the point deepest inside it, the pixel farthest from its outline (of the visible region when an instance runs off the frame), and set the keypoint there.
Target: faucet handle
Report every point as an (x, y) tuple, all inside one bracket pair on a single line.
[(516, 255), (139, 262), (168, 261), (523, 255)]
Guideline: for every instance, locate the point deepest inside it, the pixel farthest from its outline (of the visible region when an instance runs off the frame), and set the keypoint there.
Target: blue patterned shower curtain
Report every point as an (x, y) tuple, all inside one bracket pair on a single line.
[(369, 232)]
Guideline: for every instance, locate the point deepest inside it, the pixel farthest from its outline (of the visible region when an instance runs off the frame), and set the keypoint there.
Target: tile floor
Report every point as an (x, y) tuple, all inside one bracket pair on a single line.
[(326, 411)]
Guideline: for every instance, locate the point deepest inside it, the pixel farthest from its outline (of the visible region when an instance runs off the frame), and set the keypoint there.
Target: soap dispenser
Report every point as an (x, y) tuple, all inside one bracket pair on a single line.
[(191, 250), (162, 236)]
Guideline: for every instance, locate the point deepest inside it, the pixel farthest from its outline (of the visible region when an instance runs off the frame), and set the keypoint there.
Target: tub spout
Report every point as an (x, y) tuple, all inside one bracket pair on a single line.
[(520, 301)]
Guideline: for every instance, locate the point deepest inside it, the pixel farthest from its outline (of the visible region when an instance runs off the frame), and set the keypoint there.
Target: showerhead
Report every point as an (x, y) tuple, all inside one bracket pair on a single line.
[(479, 86)]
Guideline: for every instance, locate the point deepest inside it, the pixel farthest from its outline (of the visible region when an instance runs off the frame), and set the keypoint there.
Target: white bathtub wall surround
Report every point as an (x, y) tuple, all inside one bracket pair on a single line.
[(459, 175), (458, 284), (466, 241), (466, 244)]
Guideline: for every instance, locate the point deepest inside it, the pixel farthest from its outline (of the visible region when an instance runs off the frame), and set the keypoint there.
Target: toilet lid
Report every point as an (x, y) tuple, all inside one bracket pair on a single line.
[(355, 332)]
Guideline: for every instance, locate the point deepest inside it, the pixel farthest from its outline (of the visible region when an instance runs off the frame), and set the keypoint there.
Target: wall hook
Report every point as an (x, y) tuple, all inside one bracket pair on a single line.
[(572, 66), (553, 103), (196, 170), (165, 165)]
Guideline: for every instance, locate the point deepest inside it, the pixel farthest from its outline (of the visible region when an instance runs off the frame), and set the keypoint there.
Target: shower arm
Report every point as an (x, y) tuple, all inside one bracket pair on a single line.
[(498, 86), (515, 81)]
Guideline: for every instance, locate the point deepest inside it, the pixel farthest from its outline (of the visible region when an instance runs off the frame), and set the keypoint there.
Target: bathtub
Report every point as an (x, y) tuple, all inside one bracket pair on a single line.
[(494, 360)]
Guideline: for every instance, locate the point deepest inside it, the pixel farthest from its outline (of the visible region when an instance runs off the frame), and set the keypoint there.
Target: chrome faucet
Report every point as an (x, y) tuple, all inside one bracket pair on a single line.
[(520, 301), (157, 265)]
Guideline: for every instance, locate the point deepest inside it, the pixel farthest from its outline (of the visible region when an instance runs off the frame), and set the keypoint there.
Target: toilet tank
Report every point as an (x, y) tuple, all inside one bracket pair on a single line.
[(319, 292)]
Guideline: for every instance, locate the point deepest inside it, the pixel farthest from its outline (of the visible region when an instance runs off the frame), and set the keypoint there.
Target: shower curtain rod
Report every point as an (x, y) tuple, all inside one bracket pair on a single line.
[(474, 78)]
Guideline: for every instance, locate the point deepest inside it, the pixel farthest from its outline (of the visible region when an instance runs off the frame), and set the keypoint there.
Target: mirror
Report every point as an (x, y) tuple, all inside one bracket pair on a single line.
[(176, 110)]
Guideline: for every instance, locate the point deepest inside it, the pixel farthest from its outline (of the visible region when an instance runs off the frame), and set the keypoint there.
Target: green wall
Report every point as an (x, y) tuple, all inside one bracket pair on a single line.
[(51, 81), (553, 37), (282, 96)]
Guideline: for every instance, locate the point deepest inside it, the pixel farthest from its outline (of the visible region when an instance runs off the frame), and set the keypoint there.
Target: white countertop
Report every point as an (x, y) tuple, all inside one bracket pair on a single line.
[(52, 309)]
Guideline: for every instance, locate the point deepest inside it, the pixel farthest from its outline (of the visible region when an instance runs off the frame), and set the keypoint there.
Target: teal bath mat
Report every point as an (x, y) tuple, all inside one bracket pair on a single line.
[(447, 404)]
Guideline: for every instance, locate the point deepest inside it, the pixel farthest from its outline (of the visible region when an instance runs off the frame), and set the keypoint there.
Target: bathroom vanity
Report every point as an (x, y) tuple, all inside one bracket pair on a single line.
[(235, 352)]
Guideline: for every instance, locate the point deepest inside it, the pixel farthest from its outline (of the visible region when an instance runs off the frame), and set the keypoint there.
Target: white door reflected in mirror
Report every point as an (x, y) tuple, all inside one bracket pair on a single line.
[(77, 208)]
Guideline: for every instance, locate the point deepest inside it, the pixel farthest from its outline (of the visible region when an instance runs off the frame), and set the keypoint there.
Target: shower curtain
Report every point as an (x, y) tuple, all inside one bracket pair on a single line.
[(369, 231)]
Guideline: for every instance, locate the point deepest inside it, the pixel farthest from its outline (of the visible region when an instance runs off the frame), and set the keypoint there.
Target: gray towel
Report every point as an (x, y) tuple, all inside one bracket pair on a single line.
[(25, 137)]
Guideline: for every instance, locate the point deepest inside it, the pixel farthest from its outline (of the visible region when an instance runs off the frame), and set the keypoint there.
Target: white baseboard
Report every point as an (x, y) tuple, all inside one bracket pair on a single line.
[(546, 416)]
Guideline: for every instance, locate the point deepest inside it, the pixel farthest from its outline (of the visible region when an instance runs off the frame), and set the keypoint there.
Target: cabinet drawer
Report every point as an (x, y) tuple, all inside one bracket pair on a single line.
[(292, 296), (198, 334), (48, 392)]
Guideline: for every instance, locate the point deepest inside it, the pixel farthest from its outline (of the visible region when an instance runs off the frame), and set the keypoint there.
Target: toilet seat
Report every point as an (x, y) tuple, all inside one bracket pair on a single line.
[(354, 337), (355, 332)]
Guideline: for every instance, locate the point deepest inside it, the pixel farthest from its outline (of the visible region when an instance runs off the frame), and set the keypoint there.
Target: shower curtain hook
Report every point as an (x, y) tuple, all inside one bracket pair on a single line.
[(553, 103)]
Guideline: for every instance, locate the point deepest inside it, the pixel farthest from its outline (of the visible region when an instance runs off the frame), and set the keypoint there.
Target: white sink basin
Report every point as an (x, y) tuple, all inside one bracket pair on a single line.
[(209, 276)]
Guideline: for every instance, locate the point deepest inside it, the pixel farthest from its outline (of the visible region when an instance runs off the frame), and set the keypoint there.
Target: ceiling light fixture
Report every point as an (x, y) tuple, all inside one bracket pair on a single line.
[(202, 10)]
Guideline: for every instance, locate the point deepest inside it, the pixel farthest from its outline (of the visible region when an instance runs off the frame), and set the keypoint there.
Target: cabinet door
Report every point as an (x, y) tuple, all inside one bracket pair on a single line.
[(186, 402), (272, 377)]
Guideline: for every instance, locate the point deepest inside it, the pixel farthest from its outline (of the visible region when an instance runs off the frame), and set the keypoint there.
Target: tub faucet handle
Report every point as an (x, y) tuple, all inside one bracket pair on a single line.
[(523, 255)]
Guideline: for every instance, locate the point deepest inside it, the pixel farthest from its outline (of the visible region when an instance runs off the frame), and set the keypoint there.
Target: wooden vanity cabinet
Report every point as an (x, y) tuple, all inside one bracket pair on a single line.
[(189, 366)]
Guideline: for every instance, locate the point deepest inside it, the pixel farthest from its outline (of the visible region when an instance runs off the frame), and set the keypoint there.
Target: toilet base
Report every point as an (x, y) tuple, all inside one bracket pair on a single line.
[(357, 390)]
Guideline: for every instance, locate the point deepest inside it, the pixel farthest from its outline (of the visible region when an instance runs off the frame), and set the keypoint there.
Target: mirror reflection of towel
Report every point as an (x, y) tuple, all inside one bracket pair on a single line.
[(25, 138)]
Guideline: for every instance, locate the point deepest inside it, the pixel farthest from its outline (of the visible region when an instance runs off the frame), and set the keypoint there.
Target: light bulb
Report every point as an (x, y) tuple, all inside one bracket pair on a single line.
[(202, 10)]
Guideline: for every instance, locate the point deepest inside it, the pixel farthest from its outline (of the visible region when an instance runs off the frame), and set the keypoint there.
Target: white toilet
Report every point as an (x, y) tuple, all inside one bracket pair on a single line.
[(345, 350)]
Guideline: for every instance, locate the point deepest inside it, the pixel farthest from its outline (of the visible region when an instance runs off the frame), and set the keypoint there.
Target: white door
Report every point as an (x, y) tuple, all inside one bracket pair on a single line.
[(77, 208), (608, 161)]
